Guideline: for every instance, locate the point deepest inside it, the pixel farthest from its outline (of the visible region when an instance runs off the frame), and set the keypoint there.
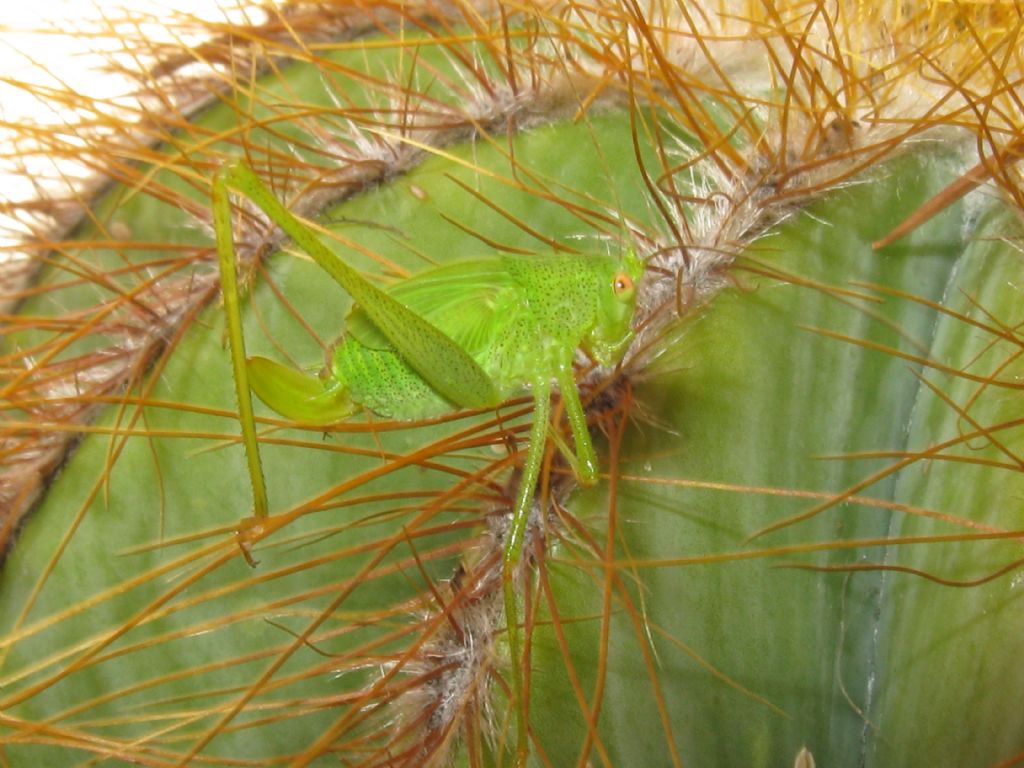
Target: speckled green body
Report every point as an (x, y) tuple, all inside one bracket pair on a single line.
[(465, 335), (518, 317)]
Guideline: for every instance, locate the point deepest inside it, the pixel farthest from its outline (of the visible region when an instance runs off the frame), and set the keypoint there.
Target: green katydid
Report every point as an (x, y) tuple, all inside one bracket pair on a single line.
[(468, 334)]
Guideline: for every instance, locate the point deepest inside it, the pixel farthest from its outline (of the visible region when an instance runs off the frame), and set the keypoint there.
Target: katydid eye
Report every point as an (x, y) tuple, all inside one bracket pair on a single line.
[(622, 285)]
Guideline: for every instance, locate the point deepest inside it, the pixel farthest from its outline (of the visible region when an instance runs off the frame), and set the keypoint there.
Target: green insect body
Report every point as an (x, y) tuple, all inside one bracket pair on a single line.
[(465, 335), (518, 317)]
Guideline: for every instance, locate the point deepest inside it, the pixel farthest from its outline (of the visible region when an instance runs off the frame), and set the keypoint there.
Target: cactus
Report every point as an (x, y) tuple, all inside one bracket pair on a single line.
[(803, 544)]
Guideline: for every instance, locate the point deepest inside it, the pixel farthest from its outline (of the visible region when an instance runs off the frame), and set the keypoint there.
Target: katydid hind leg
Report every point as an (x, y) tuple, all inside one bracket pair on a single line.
[(435, 357), (236, 342)]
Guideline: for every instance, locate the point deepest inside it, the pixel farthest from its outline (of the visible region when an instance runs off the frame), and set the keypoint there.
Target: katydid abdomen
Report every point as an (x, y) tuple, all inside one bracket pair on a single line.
[(382, 382)]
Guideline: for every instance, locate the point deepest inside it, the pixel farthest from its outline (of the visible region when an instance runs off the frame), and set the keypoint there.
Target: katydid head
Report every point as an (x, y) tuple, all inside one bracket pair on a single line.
[(612, 333)]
